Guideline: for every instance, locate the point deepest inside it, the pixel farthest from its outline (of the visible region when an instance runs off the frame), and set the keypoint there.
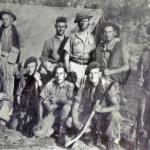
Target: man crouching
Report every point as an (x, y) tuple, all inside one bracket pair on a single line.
[(56, 97), (98, 94)]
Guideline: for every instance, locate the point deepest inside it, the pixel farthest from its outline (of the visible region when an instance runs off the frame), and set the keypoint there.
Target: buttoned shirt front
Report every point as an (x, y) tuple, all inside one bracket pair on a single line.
[(79, 46), (6, 39), (61, 93)]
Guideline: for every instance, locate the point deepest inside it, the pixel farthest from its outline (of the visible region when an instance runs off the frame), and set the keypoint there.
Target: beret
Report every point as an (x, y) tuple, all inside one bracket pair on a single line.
[(91, 66)]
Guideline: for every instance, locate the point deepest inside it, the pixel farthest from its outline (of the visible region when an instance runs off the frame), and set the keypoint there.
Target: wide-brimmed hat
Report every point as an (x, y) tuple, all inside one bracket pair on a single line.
[(9, 12), (115, 27), (81, 16)]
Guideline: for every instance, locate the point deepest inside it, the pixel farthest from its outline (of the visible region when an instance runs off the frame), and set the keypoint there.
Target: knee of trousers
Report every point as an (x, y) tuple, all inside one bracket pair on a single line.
[(66, 108), (115, 116)]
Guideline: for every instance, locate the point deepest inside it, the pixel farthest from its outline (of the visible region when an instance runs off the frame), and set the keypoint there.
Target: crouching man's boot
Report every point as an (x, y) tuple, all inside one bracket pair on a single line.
[(61, 136), (110, 144)]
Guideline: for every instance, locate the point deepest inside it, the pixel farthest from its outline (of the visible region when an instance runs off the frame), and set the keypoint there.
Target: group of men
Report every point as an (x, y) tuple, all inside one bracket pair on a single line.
[(76, 77)]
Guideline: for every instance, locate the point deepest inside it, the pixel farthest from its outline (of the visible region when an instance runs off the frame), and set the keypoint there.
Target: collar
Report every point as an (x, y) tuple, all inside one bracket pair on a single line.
[(59, 37), (80, 35), (110, 45), (63, 85)]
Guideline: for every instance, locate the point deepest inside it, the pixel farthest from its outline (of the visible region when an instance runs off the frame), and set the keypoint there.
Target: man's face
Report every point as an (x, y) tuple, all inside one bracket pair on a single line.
[(110, 33), (7, 20), (60, 75), (31, 68), (60, 28), (83, 24), (94, 75)]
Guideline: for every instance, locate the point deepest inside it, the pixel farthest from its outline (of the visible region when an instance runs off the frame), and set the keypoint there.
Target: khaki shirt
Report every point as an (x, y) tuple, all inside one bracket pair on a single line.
[(65, 92), (6, 40), (51, 50), (80, 46)]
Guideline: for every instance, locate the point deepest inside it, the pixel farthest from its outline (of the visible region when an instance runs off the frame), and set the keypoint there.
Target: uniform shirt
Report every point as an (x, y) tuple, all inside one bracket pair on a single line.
[(51, 50), (65, 92), (6, 40), (79, 46), (88, 95), (112, 57)]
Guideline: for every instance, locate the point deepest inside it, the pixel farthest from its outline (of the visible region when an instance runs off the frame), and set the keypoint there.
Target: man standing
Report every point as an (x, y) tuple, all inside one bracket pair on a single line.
[(110, 54), (10, 47), (90, 98), (28, 97), (79, 47), (57, 97), (144, 81), (53, 48)]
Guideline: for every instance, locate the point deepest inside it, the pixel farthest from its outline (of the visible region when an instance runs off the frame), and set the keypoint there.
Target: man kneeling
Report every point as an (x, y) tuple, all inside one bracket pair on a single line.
[(99, 95), (57, 97)]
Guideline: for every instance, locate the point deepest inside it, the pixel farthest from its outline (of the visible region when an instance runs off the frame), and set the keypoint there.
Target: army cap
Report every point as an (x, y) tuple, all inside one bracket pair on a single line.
[(92, 65), (81, 16), (61, 19), (9, 12)]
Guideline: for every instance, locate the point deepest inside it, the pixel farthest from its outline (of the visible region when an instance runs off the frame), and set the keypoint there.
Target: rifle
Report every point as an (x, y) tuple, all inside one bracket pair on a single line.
[(89, 119)]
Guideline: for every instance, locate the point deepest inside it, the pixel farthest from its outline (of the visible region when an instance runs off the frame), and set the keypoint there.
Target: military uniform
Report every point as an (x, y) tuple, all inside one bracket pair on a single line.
[(107, 123), (10, 51), (28, 91), (63, 96), (80, 47)]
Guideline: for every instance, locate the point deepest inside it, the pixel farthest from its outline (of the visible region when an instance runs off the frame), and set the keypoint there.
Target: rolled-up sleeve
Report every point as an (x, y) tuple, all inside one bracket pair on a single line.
[(45, 93), (67, 46)]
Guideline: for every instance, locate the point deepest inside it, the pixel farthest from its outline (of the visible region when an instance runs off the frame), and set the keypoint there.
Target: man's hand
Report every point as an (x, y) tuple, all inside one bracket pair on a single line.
[(141, 123), (22, 114), (78, 125), (38, 78), (140, 81), (107, 72), (3, 96), (97, 107)]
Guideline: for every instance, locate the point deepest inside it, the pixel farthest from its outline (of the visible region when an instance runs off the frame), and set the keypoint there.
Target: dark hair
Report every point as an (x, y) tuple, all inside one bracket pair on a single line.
[(61, 19), (60, 65), (29, 60), (114, 26)]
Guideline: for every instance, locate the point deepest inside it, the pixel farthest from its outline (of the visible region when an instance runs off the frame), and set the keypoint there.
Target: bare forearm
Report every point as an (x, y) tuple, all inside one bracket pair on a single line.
[(121, 69), (66, 61), (75, 112), (110, 109)]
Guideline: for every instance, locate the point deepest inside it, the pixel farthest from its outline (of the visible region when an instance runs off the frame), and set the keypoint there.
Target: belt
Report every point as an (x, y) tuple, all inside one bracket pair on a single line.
[(80, 63)]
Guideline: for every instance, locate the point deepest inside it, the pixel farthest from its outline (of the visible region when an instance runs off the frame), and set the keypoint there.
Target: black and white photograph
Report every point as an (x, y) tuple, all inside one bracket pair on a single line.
[(75, 74)]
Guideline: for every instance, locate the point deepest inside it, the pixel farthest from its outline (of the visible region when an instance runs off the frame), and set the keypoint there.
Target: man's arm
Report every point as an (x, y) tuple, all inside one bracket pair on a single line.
[(67, 49), (113, 100), (40, 109), (123, 57), (66, 61)]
